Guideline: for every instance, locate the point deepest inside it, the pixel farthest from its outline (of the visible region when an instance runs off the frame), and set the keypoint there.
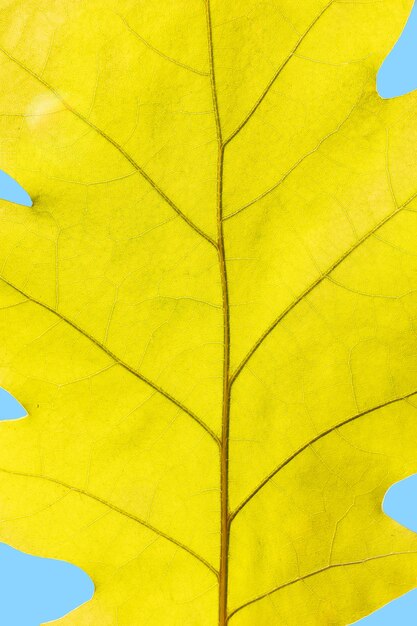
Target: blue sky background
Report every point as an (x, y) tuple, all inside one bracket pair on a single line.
[(34, 590), (398, 74)]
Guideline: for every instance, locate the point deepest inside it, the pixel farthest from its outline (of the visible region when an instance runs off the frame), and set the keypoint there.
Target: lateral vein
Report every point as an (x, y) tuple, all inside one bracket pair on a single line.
[(116, 359), (117, 509), (275, 76), (321, 435), (315, 573), (114, 143), (315, 284)]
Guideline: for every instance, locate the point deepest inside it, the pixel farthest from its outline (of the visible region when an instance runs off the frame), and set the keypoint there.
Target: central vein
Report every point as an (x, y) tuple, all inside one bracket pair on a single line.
[(224, 442), (224, 448)]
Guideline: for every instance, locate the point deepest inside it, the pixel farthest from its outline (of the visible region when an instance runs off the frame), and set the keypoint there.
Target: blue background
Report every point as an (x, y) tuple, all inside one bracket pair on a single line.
[(35, 590), (398, 74)]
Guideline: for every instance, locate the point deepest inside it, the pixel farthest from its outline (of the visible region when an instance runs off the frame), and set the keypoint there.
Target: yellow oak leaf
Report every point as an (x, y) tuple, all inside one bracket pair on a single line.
[(209, 312)]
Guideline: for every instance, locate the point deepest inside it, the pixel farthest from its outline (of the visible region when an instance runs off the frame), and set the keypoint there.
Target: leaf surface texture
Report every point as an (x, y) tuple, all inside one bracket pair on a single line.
[(209, 310)]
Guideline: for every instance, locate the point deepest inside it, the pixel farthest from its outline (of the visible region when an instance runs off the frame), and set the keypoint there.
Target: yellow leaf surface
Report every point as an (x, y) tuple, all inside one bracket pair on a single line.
[(209, 312)]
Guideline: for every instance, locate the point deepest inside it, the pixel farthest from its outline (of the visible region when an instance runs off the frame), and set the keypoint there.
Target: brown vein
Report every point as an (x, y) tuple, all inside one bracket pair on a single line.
[(315, 284), (116, 359), (277, 73), (224, 441), (114, 143), (319, 571), (311, 442), (159, 52), (293, 167), (115, 508)]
